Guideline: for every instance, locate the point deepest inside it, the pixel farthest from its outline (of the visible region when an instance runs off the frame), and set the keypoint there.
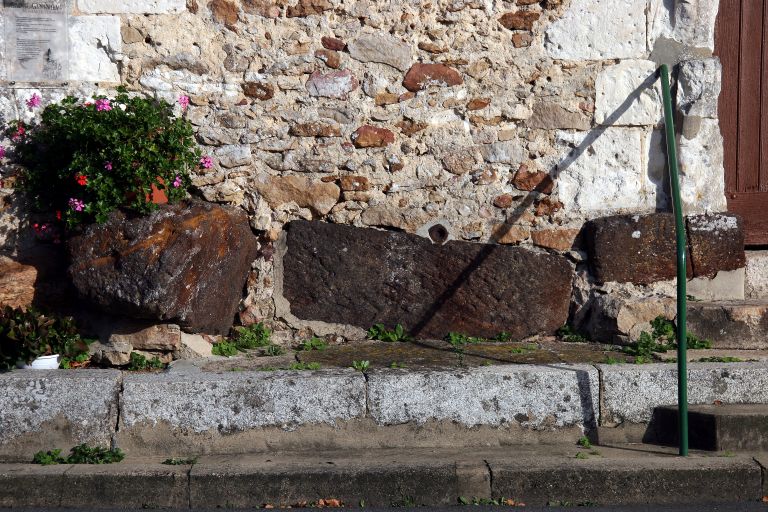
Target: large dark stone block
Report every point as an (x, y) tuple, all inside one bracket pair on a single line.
[(642, 249), (185, 263), (357, 276)]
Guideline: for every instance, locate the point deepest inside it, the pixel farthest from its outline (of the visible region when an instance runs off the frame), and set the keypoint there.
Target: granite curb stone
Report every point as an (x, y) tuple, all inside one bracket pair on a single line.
[(564, 396), (730, 383)]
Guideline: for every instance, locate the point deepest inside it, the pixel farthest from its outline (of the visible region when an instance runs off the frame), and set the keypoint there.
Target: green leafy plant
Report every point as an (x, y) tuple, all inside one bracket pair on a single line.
[(26, 335), (224, 348), (49, 458), (720, 359), (568, 334), (662, 338), (487, 502), (502, 337), (80, 454), (253, 336), (304, 366), (381, 333), (180, 461), (140, 363), (313, 344), (584, 442), (581, 455), (361, 366), (395, 364), (84, 159), (458, 340), (274, 350)]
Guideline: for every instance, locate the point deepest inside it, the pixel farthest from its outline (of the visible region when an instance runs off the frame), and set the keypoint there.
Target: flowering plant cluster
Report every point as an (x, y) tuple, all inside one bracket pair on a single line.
[(84, 159)]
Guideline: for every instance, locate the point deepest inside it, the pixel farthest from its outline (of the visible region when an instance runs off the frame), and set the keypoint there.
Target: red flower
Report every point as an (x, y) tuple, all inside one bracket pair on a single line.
[(82, 179), (58, 215)]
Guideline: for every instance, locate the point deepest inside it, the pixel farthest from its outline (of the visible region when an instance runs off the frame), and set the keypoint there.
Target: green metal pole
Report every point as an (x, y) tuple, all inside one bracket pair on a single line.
[(682, 337)]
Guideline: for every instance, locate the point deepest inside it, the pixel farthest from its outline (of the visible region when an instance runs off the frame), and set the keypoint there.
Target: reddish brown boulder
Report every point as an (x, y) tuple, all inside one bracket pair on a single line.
[(528, 180), (225, 12), (185, 263), (315, 129), (372, 137), (259, 90), (17, 283), (503, 201), (421, 76), (307, 8), (332, 43), (520, 20), (330, 57), (354, 183)]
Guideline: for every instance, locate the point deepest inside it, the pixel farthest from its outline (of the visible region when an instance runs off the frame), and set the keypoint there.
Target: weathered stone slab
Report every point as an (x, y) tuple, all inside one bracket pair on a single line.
[(699, 87), (186, 263), (44, 409), (17, 283), (381, 47), (234, 402), (166, 337), (716, 242), (730, 324), (619, 319), (631, 392), (531, 396), (633, 248), (355, 276), (716, 427)]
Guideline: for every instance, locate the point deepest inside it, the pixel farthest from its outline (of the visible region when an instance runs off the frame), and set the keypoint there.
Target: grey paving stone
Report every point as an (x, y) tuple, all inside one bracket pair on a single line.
[(45, 409)]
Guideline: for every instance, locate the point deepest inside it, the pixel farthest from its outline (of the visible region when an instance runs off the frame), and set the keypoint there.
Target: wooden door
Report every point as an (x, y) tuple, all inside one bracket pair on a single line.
[(741, 43)]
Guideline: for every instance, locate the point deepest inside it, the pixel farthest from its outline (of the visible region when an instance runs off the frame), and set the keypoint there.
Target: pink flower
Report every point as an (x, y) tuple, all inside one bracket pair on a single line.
[(184, 102), (76, 204), (2, 152), (177, 182), (108, 166), (34, 101), (20, 131), (206, 162), (103, 104)]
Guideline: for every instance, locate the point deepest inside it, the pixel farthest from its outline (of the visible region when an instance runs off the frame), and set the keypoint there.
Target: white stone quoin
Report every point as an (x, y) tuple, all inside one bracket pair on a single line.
[(93, 43), (131, 6)]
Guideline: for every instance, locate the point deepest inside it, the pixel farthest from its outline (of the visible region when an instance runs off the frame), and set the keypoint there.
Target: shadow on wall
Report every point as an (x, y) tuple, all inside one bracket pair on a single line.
[(516, 214)]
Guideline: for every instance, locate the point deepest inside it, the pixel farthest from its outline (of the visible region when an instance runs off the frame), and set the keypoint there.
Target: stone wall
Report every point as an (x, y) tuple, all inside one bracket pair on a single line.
[(505, 121)]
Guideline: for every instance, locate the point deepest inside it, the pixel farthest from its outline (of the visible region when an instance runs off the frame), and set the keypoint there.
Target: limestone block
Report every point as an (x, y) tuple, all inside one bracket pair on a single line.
[(615, 318), (631, 392), (730, 324), (228, 403), (702, 184), (381, 47), (233, 156), (165, 337), (725, 285), (94, 41), (698, 88), (628, 93), (131, 6), (531, 396), (756, 280), (45, 409), (605, 172), (17, 283), (690, 22), (599, 29)]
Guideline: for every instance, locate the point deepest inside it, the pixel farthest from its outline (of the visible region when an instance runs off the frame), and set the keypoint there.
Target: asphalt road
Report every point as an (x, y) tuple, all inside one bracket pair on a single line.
[(727, 507)]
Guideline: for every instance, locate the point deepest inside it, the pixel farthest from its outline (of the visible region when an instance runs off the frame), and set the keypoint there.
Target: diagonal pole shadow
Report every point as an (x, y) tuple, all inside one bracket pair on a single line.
[(529, 200)]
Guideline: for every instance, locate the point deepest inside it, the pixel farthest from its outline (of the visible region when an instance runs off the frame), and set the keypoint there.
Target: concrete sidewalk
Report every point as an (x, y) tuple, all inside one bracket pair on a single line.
[(627, 475)]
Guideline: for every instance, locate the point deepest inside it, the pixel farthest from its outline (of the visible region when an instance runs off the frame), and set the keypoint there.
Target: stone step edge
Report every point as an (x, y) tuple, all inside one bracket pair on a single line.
[(280, 409), (631, 480)]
